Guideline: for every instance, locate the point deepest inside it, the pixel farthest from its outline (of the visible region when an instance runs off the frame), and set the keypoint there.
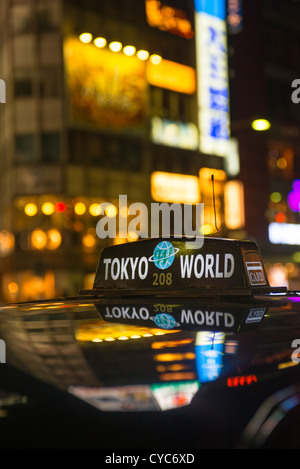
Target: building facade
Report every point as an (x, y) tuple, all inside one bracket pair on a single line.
[(265, 66), (103, 99)]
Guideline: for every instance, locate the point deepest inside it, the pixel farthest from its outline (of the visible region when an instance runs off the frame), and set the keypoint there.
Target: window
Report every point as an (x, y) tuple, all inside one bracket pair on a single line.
[(95, 149), (24, 148), (23, 82), (21, 19), (50, 82), (48, 15), (113, 155), (50, 147), (133, 157)]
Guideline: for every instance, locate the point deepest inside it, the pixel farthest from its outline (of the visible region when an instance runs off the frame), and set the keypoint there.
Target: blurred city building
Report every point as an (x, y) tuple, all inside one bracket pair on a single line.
[(109, 98), (264, 59)]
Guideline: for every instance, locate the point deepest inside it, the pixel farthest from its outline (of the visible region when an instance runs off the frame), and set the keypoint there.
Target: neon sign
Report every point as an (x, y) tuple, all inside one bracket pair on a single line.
[(284, 233), (174, 134), (172, 76), (294, 197), (167, 18), (212, 76), (180, 188)]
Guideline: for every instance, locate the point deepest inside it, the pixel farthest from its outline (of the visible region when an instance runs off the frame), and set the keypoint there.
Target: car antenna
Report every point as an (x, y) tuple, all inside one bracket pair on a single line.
[(214, 202)]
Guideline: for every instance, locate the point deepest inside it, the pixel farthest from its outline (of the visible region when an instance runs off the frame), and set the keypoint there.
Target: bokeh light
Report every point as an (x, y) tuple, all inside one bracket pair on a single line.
[(115, 46), (88, 240), (95, 209), (80, 208), (38, 239), (129, 50), (13, 288), (143, 54), (30, 209), (60, 207), (111, 211), (48, 208), (155, 59), (86, 37), (260, 124), (54, 239), (100, 42)]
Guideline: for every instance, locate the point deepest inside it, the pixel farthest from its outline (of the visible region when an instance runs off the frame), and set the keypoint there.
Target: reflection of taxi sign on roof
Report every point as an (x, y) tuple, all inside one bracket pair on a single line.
[(202, 266)]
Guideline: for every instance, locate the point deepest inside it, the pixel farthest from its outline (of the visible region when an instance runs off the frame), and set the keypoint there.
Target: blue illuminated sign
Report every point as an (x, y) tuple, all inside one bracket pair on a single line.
[(212, 74), (211, 7)]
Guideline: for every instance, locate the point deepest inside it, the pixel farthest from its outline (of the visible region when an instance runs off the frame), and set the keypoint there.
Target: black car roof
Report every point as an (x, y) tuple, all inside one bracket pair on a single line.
[(137, 369)]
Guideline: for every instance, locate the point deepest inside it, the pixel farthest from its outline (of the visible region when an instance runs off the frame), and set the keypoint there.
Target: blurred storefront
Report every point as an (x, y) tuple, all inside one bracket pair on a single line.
[(102, 98)]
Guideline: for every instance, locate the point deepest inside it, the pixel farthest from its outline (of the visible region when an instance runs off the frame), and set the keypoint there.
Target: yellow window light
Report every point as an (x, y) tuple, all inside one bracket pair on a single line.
[(282, 163), (115, 46), (100, 42), (13, 288), (80, 208), (30, 209), (234, 205), (207, 229), (142, 54), (88, 241), (260, 124), (38, 239), (206, 182), (129, 50), (48, 208), (54, 239), (7, 241), (170, 187), (168, 357), (86, 37)]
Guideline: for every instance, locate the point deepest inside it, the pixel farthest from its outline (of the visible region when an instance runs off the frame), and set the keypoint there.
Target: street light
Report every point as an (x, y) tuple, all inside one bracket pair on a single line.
[(260, 124)]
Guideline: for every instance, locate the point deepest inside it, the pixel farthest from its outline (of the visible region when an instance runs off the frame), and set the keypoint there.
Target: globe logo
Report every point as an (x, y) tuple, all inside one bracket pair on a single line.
[(165, 321), (163, 255)]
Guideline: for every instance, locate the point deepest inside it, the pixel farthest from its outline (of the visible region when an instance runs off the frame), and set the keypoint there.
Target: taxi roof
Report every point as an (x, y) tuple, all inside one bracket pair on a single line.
[(147, 366), (130, 367)]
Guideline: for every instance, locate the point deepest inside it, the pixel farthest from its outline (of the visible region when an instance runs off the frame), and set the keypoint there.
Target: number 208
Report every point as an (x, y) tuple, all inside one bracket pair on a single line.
[(162, 279)]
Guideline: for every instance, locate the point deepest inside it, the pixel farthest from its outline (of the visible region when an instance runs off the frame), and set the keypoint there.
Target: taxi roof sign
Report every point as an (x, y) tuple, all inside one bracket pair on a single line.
[(182, 266)]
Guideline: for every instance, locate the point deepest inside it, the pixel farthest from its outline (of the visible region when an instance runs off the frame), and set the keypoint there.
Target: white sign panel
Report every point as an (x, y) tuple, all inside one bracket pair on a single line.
[(212, 77)]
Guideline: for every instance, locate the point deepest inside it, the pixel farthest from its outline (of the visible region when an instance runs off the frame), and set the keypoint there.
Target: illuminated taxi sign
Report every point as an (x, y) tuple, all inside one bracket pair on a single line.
[(180, 265)]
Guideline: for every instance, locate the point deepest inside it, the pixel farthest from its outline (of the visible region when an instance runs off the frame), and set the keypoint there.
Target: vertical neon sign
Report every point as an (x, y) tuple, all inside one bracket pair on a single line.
[(212, 77)]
